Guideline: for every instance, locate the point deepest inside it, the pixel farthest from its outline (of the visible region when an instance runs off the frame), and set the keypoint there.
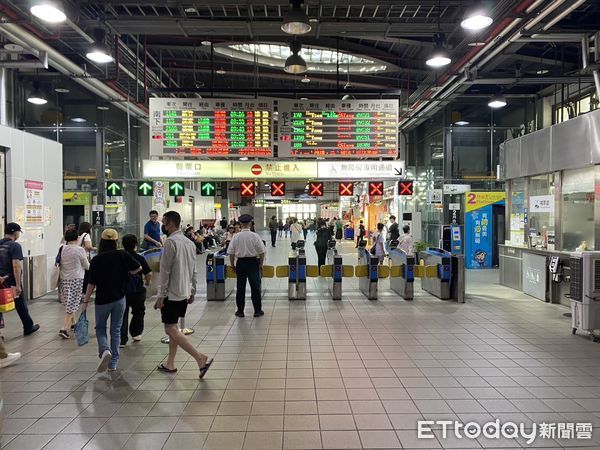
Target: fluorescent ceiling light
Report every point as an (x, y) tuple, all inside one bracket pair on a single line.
[(296, 22), (78, 120), (62, 90), (476, 44), (461, 123), (37, 97), (103, 107), (98, 52), (497, 101), (48, 11), (542, 71), (439, 57), (476, 18)]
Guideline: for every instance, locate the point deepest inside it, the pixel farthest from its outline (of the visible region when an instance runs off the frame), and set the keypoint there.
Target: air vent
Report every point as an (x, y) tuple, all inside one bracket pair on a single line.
[(596, 275)]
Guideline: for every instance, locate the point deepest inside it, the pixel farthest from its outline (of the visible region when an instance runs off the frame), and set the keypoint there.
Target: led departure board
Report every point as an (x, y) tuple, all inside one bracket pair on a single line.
[(338, 128), (211, 127)]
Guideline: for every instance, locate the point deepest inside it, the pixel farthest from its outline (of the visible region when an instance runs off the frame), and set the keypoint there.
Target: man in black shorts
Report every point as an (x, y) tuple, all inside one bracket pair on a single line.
[(176, 289)]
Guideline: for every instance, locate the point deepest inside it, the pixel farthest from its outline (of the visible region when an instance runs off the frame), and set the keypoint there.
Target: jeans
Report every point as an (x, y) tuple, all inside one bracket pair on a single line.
[(135, 302), (248, 269), (115, 310), (273, 237)]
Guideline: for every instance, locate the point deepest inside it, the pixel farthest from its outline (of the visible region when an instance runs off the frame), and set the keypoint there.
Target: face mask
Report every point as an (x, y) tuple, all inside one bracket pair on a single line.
[(164, 230)]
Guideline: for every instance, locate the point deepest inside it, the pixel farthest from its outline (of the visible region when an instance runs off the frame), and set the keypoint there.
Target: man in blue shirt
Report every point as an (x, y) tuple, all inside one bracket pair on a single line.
[(11, 269), (152, 232)]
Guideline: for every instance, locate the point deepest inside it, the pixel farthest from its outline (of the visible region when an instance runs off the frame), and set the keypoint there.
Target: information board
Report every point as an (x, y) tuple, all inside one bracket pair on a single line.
[(211, 127), (338, 128)]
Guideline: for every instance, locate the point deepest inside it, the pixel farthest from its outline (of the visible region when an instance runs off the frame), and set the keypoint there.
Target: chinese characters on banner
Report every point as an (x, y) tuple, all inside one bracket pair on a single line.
[(34, 202), (479, 227)]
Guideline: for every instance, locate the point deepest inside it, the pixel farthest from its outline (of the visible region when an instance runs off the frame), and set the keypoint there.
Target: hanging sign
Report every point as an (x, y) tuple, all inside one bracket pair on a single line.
[(477, 200)]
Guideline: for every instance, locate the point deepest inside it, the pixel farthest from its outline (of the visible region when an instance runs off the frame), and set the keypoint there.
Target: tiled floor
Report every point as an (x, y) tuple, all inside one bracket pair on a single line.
[(311, 375)]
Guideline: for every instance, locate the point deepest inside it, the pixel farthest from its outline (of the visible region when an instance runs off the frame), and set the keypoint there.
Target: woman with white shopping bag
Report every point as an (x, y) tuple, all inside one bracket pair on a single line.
[(73, 261)]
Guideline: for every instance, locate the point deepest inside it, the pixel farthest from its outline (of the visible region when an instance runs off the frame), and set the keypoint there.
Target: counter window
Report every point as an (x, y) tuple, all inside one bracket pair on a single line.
[(578, 209), (541, 207)]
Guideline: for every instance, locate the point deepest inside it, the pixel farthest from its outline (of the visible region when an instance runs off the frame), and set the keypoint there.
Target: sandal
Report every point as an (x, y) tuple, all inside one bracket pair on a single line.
[(205, 368), (163, 368)]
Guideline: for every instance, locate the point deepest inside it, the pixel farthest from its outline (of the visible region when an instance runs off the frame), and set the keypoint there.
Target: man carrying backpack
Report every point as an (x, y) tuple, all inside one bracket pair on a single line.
[(135, 293)]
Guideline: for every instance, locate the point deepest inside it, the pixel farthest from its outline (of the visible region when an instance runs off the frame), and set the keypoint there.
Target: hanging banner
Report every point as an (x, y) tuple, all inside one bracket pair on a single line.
[(477, 200)]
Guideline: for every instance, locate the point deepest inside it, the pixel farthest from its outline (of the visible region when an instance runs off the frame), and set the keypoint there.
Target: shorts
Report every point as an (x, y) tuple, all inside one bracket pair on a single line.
[(172, 311), (70, 294)]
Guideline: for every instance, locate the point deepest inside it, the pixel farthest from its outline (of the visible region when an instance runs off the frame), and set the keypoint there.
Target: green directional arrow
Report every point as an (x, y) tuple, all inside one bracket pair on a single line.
[(114, 188), (207, 189), (145, 188), (176, 189)]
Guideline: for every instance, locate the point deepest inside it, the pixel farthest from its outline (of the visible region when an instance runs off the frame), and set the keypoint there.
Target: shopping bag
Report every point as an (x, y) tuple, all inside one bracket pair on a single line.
[(81, 330), (7, 297)]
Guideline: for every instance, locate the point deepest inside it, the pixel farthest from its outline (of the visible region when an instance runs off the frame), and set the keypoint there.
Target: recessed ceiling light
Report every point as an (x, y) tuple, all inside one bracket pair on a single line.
[(542, 71), (78, 119), (476, 44), (461, 123), (48, 11), (62, 90)]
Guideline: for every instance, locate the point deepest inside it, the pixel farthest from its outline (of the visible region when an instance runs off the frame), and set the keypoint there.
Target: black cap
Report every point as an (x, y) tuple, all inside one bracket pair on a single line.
[(11, 228), (246, 218)]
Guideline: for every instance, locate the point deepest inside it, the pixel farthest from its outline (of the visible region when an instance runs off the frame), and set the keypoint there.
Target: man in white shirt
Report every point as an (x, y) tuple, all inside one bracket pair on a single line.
[(176, 289), (297, 233), (247, 254)]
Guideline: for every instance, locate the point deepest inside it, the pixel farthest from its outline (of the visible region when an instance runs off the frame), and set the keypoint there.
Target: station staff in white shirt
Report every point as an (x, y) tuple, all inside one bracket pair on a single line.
[(247, 254)]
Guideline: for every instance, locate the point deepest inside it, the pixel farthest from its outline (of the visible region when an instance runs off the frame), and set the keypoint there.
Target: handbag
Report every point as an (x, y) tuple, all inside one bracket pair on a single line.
[(7, 298), (55, 275), (81, 329)]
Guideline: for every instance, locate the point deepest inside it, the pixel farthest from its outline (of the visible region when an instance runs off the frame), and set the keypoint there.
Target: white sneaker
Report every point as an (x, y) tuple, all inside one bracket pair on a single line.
[(137, 338), (104, 360), (10, 359)]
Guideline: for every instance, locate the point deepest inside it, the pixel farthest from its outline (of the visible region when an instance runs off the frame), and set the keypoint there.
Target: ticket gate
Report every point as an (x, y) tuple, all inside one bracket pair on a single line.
[(402, 272), (440, 284), (368, 284), (297, 273), (218, 285), (335, 261)]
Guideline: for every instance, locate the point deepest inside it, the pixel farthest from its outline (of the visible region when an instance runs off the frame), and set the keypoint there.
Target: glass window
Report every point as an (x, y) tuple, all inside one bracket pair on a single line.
[(517, 212), (578, 209), (541, 207)]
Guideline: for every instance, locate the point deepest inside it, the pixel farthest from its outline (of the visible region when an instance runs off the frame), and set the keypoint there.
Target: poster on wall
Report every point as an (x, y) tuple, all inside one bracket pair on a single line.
[(541, 203), (34, 202), (479, 230)]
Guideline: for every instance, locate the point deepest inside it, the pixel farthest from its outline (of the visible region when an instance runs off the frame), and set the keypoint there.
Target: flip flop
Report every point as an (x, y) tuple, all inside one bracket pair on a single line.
[(205, 368), (163, 368)]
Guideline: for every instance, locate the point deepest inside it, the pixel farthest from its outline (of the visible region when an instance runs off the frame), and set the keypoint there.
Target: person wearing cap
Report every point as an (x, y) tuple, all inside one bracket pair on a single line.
[(109, 276), (247, 254), (177, 289), (11, 260)]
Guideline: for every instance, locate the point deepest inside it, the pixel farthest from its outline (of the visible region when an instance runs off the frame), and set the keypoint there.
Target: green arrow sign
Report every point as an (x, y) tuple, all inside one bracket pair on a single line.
[(114, 188), (176, 189), (145, 188), (207, 188)]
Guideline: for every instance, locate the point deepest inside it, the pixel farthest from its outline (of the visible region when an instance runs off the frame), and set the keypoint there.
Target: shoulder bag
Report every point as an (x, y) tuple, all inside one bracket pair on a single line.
[(55, 275)]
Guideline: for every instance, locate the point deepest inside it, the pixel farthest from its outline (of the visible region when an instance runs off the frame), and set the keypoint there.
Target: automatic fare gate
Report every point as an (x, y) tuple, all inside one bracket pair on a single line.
[(297, 273), (367, 271), (402, 270), (219, 285)]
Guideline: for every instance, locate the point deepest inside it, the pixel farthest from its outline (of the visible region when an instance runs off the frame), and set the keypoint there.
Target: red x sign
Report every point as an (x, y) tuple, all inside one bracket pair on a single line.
[(405, 187), (277, 189), (346, 189), (376, 188), (316, 189), (247, 189)]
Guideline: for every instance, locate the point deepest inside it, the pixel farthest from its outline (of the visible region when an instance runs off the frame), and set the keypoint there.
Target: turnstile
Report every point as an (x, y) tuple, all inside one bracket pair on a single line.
[(335, 261), (440, 284), (218, 285), (368, 284), (402, 272), (297, 273)]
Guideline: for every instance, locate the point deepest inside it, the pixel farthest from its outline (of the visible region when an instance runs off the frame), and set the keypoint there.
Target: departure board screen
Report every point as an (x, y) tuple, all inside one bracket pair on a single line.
[(338, 128), (211, 127)]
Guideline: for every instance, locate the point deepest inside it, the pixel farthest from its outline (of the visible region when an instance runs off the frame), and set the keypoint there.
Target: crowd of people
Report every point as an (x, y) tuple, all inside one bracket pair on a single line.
[(119, 277)]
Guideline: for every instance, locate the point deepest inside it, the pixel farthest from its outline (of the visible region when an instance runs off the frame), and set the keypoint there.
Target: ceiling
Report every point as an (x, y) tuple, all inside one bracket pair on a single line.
[(164, 47)]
